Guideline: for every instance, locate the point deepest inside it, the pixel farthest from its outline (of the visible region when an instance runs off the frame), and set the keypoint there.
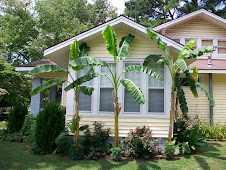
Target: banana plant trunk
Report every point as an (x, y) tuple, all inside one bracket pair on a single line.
[(172, 113), (76, 115), (117, 110)]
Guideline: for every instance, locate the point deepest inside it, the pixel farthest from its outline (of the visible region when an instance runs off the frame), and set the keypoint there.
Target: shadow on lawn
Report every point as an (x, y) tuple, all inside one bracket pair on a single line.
[(208, 151)]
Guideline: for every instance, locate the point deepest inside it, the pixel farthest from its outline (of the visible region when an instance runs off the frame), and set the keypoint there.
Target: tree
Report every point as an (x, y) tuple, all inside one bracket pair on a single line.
[(151, 12), (15, 83), (215, 6), (17, 32), (175, 67), (76, 84), (119, 54)]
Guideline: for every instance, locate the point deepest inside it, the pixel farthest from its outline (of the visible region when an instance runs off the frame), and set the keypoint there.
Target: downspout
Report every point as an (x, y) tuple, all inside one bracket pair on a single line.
[(210, 88)]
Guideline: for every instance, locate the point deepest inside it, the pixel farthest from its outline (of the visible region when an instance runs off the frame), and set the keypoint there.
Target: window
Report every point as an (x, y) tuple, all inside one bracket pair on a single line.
[(207, 42), (106, 99), (85, 100), (156, 90), (177, 40), (221, 47), (130, 104), (194, 47)]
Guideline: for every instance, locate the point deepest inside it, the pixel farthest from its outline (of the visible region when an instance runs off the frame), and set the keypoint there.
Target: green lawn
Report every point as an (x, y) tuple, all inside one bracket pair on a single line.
[(16, 156)]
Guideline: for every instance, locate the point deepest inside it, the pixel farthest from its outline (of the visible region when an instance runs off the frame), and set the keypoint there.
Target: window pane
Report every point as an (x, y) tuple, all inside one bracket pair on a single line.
[(84, 102), (158, 68), (134, 76), (104, 82), (106, 100), (130, 104), (83, 72), (207, 42), (222, 47), (156, 100)]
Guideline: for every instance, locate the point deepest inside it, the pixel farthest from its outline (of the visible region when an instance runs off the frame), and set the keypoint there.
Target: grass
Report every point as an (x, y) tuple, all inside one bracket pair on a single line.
[(16, 156)]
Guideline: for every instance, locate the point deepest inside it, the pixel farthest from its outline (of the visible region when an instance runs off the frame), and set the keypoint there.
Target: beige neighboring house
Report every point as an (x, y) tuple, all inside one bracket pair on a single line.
[(208, 29), (99, 106)]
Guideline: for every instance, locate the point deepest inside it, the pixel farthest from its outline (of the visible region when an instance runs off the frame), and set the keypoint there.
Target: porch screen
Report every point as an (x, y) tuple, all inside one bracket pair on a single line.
[(156, 90), (106, 99), (84, 100), (130, 105)]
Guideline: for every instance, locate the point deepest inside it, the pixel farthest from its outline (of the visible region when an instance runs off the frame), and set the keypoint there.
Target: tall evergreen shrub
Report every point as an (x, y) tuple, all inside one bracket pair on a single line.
[(49, 124), (16, 117)]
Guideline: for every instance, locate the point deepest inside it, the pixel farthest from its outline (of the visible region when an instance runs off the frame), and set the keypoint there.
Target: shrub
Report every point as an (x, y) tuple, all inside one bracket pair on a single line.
[(216, 132), (116, 153), (76, 152), (27, 128), (49, 124), (188, 133), (63, 143), (16, 118), (95, 142), (171, 149), (140, 144)]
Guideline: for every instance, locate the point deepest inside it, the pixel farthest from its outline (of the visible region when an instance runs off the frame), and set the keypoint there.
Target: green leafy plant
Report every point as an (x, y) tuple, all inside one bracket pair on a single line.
[(119, 54), (64, 143), (175, 66), (76, 84), (188, 133), (26, 129), (171, 149), (140, 143), (116, 153), (95, 142), (76, 151), (16, 118), (49, 124), (216, 132)]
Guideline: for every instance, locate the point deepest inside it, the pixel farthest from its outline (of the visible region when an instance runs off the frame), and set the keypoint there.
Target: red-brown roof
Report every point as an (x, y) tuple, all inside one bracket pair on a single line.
[(37, 63), (202, 64)]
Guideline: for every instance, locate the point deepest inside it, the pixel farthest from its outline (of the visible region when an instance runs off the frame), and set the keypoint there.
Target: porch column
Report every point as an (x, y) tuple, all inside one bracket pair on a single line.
[(53, 94), (36, 99)]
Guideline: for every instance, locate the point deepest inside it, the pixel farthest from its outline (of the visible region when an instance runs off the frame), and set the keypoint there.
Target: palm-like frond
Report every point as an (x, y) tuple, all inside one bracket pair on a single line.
[(84, 61), (111, 40), (84, 50), (209, 97), (124, 46), (192, 84), (47, 84), (181, 65), (155, 58), (186, 49), (75, 51), (47, 68), (87, 90), (134, 90), (182, 101), (200, 51), (144, 69)]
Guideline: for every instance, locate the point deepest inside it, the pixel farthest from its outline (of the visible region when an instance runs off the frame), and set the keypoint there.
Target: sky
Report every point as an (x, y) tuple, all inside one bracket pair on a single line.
[(118, 4)]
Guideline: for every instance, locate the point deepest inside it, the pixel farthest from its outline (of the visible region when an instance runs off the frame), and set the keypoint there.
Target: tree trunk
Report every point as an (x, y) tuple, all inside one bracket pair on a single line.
[(172, 113), (117, 110), (77, 116)]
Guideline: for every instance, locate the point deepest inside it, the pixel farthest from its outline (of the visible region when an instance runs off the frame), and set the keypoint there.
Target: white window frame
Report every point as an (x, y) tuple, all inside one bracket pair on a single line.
[(164, 89)]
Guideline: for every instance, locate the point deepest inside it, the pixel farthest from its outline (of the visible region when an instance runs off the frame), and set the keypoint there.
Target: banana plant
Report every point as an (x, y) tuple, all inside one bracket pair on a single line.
[(76, 83), (119, 53), (177, 93)]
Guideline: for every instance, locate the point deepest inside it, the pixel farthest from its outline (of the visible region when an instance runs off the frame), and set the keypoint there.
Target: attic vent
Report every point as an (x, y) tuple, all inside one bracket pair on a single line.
[(210, 60)]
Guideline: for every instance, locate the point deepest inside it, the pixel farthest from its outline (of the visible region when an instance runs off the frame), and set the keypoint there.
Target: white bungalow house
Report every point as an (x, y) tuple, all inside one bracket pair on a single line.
[(99, 106)]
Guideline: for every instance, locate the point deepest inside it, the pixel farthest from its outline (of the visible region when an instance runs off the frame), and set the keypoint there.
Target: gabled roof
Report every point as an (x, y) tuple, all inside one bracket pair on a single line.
[(121, 20), (206, 15), (37, 63), (202, 64)]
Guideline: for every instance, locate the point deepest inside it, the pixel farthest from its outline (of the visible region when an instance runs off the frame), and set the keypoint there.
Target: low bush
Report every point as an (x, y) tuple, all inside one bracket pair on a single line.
[(140, 143), (76, 152), (171, 149), (49, 124), (216, 132), (28, 126), (188, 133), (64, 143), (95, 142), (16, 118), (116, 153)]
